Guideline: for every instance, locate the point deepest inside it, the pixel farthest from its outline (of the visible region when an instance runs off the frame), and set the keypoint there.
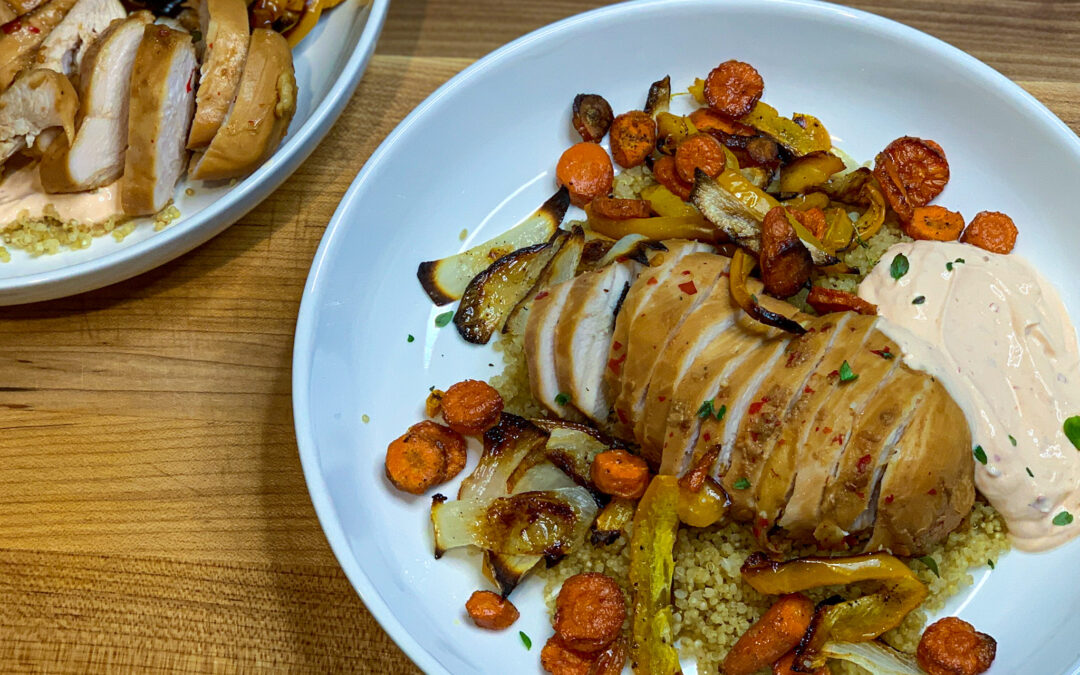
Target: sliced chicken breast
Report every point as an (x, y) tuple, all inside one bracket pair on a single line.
[(224, 25), (96, 156), (38, 100), (162, 102), (539, 343), (260, 114), (18, 47), (66, 44), (21, 7), (7, 13), (583, 336)]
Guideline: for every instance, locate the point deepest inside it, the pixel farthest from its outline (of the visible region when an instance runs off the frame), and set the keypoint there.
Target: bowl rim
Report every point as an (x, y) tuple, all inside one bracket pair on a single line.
[(215, 218), (306, 327)]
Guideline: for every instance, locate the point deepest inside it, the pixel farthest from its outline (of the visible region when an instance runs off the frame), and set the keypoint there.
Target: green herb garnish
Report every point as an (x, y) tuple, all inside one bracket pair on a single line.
[(846, 374), (990, 563), (525, 639), (929, 561), (1012, 440), (706, 409), (948, 266), (444, 318), (899, 266), (1063, 518), (1072, 430), (919, 299), (721, 412), (980, 454), (410, 338), (960, 261), (742, 484), (561, 398), (1028, 469)]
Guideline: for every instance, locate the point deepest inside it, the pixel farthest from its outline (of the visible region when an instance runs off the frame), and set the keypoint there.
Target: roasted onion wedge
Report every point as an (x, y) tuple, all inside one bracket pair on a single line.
[(562, 267), (740, 222), (659, 98), (613, 521), (505, 445), (445, 280)]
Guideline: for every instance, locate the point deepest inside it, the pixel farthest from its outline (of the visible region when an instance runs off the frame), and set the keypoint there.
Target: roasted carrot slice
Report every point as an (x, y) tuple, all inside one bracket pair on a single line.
[(558, 659), (707, 119), (812, 219), (785, 260), (589, 612), (490, 610), (952, 646), (621, 209), (700, 151), (912, 171), (633, 137), (585, 170), (785, 666), (620, 474), (666, 174), (415, 462), (935, 223), (592, 117), (733, 88), (991, 230), (471, 407), (829, 300), (450, 441), (776, 633)]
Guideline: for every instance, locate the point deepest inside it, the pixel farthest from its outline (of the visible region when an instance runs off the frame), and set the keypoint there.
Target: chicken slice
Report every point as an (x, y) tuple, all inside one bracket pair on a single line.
[(162, 100), (20, 42), (776, 482), (544, 316), (660, 266), (772, 403), (259, 116), (927, 488), (583, 336), (39, 99), (96, 156), (64, 47), (20, 7), (849, 503), (823, 441), (224, 25)]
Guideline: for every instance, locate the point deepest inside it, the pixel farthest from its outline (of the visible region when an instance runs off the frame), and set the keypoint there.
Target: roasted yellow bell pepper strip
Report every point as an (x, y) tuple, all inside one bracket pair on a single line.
[(811, 200), (666, 203), (839, 230), (870, 222), (808, 171), (313, 9), (757, 201), (671, 130), (697, 90), (656, 228), (742, 264), (801, 135), (652, 567)]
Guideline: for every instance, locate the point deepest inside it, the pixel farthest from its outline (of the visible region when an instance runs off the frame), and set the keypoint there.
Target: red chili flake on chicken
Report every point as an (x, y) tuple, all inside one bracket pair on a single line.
[(34, 29), (686, 272), (756, 406), (862, 464), (838, 439), (826, 430), (834, 375), (932, 492), (541, 295), (754, 436), (189, 79), (889, 499), (883, 353), (617, 346), (12, 26), (661, 398), (688, 287), (807, 390), (622, 416), (707, 437), (652, 281), (616, 364)]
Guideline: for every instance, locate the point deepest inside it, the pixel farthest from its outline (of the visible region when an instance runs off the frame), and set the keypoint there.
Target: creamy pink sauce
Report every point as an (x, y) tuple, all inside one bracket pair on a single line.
[(997, 336), (21, 191)]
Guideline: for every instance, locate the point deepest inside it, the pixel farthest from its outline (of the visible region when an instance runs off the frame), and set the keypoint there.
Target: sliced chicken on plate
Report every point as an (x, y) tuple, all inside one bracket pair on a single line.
[(96, 156), (38, 100), (11, 9), (66, 44), (544, 317), (19, 41), (159, 116), (224, 25), (260, 115)]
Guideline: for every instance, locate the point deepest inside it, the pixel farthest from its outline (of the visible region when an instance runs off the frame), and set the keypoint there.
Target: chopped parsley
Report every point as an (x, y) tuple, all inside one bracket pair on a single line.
[(919, 299), (948, 266), (1063, 518), (525, 639), (1012, 440), (980, 454), (960, 261), (1028, 469), (706, 409), (899, 266), (846, 374), (990, 563), (1072, 430), (410, 338), (721, 411), (929, 561), (561, 398), (742, 483), (444, 318)]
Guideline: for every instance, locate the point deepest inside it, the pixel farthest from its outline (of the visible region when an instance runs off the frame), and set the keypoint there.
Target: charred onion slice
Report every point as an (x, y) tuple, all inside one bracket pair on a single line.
[(742, 264), (659, 98), (592, 117), (629, 247), (859, 620), (547, 523), (735, 213), (652, 567), (613, 521), (505, 445), (573, 451), (445, 280), (691, 226), (562, 267), (507, 571), (873, 657)]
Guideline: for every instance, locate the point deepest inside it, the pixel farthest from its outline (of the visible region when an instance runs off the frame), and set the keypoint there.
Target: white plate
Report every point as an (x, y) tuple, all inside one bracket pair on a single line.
[(329, 64), (489, 140)]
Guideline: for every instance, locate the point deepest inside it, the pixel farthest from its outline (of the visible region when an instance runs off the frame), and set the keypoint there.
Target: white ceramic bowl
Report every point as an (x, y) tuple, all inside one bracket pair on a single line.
[(491, 137), (329, 64)]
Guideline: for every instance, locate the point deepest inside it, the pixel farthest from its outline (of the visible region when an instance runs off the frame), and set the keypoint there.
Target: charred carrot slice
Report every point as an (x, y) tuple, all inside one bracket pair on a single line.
[(953, 646), (471, 407), (621, 209), (414, 462), (707, 119), (589, 612), (633, 137), (812, 219), (666, 174), (733, 88), (786, 666), (935, 223), (490, 610), (785, 260), (776, 633), (450, 441), (620, 474), (700, 151), (992, 231), (585, 170), (558, 659), (912, 171), (829, 300)]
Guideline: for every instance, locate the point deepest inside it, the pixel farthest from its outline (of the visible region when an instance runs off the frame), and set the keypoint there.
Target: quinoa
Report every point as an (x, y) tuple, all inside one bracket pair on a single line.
[(48, 235)]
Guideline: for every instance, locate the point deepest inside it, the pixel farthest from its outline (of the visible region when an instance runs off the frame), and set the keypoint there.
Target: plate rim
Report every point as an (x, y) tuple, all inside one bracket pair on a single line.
[(246, 195), (308, 312)]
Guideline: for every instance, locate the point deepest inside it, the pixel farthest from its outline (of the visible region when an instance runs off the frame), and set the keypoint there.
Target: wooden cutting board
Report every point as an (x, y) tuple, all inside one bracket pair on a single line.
[(153, 514)]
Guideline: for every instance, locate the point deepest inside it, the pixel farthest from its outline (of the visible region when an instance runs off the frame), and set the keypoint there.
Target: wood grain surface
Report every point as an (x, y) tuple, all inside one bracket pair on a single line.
[(153, 514)]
